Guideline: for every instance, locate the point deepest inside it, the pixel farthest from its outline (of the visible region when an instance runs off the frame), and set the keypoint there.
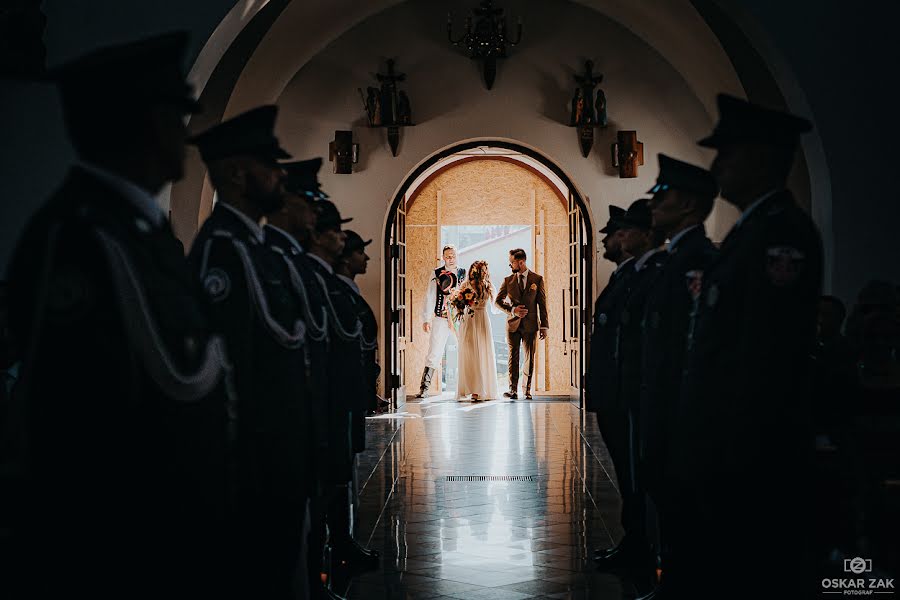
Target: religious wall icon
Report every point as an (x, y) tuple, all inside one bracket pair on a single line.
[(588, 108), (627, 154), (487, 40), (386, 106)]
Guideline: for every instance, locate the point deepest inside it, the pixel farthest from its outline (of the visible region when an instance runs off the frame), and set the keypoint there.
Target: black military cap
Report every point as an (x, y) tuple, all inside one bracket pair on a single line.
[(251, 133), (638, 215), (742, 121), (679, 175), (302, 178), (354, 242), (140, 73), (615, 215), (328, 216)]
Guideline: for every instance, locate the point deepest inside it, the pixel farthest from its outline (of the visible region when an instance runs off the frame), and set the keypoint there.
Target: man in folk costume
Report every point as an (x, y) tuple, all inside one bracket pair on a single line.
[(254, 305), (123, 379), (434, 313)]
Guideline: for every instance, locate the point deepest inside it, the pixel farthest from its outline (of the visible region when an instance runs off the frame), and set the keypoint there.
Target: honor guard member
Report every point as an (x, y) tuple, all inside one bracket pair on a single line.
[(682, 200), (744, 428), (347, 371), (292, 229), (602, 376), (257, 309), (353, 262), (123, 380), (434, 313), (640, 240)]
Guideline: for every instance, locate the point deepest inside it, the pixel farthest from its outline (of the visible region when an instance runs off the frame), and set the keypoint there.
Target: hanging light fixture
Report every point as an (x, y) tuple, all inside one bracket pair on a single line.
[(487, 40)]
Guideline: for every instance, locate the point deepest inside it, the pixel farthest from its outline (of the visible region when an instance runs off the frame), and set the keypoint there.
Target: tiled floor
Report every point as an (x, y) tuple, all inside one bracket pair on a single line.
[(498, 540)]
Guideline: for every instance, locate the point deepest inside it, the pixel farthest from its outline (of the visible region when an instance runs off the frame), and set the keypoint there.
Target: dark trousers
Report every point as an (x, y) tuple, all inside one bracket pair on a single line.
[(617, 431), (516, 339)]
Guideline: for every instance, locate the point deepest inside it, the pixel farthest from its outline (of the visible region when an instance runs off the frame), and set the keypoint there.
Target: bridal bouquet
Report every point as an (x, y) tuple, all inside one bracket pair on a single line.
[(462, 303)]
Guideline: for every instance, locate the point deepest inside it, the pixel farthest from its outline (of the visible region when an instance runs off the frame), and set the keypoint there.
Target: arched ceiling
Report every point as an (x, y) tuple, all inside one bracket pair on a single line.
[(672, 27)]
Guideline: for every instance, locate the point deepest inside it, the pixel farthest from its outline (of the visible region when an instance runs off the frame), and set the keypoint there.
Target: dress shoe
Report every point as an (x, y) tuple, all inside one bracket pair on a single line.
[(528, 395), (511, 395)]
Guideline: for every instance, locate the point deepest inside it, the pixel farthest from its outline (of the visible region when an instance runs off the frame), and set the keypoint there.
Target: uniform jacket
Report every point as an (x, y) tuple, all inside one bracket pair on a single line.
[(345, 368), (667, 315), (124, 385), (255, 306), (744, 403), (603, 372), (311, 294)]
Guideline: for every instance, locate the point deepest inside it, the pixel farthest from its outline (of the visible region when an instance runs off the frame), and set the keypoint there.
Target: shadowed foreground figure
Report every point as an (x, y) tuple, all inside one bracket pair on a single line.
[(261, 317), (744, 432), (122, 380)]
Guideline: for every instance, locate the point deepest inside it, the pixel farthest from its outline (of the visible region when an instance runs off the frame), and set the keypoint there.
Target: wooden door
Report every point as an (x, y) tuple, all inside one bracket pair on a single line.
[(575, 301), (399, 322)]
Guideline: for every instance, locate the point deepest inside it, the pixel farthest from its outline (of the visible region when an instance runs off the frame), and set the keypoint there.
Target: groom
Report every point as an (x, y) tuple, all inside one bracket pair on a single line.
[(524, 299)]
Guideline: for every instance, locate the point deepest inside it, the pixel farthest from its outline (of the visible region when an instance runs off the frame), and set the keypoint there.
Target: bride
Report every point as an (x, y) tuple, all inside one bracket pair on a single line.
[(477, 362)]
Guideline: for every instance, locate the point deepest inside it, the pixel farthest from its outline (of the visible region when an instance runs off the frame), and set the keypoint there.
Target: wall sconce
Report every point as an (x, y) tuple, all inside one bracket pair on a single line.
[(343, 153), (586, 112), (488, 40), (388, 107), (627, 154)]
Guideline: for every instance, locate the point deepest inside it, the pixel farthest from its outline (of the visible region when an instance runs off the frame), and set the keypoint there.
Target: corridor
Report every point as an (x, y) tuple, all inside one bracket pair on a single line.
[(496, 500)]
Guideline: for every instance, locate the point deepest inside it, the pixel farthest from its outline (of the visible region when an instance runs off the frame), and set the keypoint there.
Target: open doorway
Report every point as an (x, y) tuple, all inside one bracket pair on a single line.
[(487, 198)]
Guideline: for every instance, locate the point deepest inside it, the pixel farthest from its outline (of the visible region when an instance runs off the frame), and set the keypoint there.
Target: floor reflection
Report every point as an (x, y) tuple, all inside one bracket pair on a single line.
[(503, 540)]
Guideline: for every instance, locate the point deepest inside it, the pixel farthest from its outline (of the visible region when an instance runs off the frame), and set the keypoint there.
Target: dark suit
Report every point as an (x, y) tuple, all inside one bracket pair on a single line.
[(255, 306), (523, 331), (744, 413), (669, 304), (126, 407), (629, 349)]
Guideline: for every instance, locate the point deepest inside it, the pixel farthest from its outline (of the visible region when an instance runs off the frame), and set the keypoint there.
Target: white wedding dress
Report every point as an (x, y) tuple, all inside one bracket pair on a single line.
[(477, 360)]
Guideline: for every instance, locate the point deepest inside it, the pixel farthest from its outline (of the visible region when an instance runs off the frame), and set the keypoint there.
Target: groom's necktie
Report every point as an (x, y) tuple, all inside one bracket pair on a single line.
[(521, 283)]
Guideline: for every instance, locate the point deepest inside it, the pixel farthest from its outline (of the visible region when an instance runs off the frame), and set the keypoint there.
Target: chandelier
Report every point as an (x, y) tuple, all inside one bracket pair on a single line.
[(487, 40)]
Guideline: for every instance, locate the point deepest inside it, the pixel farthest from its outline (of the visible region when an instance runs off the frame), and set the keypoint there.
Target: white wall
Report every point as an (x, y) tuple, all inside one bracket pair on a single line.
[(529, 104)]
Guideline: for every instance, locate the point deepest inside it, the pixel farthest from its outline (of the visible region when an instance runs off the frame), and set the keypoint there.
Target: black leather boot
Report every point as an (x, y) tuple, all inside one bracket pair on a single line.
[(426, 382)]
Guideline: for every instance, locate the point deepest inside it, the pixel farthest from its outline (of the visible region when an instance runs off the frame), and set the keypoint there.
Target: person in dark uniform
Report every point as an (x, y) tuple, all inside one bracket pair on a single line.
[(291, 229), (123, 379), (256, 308), (641, 241), (350, 346), (682, 200), (744, 438), (602, 375), (354, 261)]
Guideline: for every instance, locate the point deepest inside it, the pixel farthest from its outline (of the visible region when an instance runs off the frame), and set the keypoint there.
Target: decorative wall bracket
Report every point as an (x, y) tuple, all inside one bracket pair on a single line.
[(587, 112), (488, 40), (627, 154), (386, 106), (343, 153)]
